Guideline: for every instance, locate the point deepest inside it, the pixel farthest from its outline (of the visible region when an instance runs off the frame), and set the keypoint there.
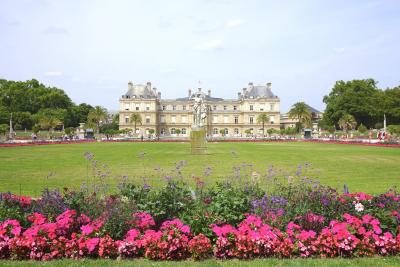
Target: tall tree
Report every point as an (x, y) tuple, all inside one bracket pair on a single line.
[(49, 123), (301, 112), (347, 122), (97, 116), (263, 119), (135, 119), (357, 97)]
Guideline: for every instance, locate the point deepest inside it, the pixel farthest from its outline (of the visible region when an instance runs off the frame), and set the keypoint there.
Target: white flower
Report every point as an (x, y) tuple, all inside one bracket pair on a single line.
[(359, 207)]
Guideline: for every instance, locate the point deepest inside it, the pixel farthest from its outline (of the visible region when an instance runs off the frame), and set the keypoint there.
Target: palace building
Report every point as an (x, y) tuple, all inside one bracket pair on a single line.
[(225, 117)]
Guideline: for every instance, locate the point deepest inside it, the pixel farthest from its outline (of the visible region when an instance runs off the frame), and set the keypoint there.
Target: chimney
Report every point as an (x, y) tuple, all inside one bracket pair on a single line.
[(269, 85), (149, 84), (190, 93), (239, 95), (199, 89), (155, 90), (209, 92), (250, 84), (159, 95), (130, 85)]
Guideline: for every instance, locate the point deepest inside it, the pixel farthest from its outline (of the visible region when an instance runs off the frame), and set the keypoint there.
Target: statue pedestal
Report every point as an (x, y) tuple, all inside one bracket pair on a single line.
[(198, 141)]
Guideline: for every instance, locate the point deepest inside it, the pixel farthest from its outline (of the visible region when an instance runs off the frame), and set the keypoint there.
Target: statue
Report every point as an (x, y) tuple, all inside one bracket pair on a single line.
[(198, 132), (199, 111)]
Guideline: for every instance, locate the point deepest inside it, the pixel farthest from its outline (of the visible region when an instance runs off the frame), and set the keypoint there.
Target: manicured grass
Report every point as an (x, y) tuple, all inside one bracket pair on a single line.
[(362, 168), (378, 261)]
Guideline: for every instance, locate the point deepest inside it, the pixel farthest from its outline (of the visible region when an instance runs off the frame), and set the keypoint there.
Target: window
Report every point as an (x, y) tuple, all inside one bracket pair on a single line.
[(251, 120), (173, 131), (173, 107), (164, 107), (183, 107), (272, 119), (236, 131), (183, 131), (234, 107), (147, 130), (225, 107), (162, 119), (236, 119), (215, 119), (147, 119), (226, 131), (126, 106), (147, 107), (214, 107), (225, 119), (126, 120), (251, 107), (173, 119), (271, 107), (261, 107), (184, 119), (137, 108), (215, 131)]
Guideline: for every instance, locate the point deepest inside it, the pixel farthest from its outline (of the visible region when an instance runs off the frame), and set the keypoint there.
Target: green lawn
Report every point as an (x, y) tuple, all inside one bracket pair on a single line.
[(378, 261), (362, 168)]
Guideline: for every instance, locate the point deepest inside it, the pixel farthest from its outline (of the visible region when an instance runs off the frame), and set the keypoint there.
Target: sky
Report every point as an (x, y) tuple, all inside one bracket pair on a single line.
[(92, 49)]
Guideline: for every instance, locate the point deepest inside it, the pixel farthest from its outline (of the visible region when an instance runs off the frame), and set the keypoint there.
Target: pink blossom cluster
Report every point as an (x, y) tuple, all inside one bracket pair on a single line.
[(24, 201), (349, 237), (77, 236)]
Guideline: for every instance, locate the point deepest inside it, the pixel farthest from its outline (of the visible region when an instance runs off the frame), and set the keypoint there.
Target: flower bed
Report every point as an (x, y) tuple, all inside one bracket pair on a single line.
[(223, 222), (75, 236)]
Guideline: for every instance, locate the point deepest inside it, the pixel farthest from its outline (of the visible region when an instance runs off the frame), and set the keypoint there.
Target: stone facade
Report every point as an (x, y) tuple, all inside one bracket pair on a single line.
[(234, 117)]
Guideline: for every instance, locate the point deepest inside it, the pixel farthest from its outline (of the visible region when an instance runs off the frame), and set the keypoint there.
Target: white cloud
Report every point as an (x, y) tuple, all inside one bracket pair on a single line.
[(234, 23), (339, 50), (53, 73), (210, 45)]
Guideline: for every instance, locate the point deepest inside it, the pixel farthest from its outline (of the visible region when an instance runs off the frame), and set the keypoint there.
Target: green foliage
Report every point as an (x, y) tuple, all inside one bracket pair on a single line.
[(347, 122), (97, 117), (177, 131), (27, 99), (361, 128), (135, 119), (394, 129), (151, 131), (4, 129), (229, 203), (301, 112), (263, 119), (35, 128), (364, 100)]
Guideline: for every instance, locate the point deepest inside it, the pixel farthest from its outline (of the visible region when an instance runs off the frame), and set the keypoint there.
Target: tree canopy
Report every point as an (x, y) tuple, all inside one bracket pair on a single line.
[(364, 101), (29, 101)]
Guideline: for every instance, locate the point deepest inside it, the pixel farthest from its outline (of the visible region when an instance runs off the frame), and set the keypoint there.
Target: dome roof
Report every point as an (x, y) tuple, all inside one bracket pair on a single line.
[(140, 91)]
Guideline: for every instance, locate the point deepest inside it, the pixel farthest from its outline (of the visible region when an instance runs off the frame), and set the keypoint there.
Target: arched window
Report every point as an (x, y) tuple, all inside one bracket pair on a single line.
[(173, 131), (215, 131), (183, 131), (236, 131), (226, 131)]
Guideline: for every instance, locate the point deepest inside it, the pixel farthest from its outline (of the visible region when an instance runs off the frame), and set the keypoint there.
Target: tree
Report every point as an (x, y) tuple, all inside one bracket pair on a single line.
[(35, 128), (177, 131), (222, 132), (270, 131), (357, 97), (301, 112), (347, 122), (4, 129), (361, 128), (97, 116), (248, 131), (262, 119), (49, 123), (151, 131), (135, 119)]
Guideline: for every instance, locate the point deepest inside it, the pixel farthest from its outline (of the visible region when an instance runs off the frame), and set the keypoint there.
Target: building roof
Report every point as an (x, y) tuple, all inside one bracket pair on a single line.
[(313, 110), (258, 91), (140, 91), (206, 98)]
